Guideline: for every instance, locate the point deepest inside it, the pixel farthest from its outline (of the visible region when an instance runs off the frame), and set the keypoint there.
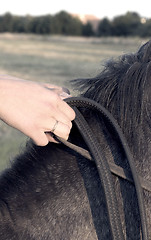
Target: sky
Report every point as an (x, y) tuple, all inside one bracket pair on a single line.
[(101, 9)]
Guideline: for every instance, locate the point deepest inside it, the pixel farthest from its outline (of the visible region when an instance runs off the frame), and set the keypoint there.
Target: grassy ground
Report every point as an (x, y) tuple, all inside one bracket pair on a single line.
[(53, 59)]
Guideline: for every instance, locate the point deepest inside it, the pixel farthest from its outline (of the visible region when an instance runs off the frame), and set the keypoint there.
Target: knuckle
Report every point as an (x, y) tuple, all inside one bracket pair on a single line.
[(40, 140), (70, 125), (72, 114), (55, 96), (66, 131), (52, 98), (42, 143)]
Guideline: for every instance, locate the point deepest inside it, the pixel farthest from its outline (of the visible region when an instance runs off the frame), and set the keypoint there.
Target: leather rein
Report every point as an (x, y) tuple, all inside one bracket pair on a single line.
[(105, 168)]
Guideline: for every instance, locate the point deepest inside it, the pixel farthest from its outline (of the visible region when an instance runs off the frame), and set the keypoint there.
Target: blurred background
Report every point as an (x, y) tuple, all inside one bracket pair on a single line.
[(57, 42)]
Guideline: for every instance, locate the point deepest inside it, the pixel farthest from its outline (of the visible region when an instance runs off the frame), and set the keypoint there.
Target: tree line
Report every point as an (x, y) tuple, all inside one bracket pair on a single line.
[(130, 24)]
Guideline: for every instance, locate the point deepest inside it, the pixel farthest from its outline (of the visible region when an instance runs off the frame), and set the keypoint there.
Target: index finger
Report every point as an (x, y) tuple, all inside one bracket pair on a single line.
[(67, 110)]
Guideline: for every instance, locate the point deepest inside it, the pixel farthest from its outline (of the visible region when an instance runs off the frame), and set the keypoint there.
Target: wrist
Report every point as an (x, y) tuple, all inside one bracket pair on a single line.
[(5, 90)]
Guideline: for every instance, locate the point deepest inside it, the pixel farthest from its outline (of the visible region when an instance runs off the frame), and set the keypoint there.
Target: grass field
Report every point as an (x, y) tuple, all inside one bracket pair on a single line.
[(53, 59)]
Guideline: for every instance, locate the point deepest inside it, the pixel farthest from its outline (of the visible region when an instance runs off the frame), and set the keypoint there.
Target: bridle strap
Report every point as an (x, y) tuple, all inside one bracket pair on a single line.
[(104, 174), (115, 169), (103, 167)]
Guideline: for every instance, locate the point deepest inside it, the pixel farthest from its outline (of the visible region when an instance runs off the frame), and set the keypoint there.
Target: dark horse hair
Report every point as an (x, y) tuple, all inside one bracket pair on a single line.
[(124, 88), (54, 193)]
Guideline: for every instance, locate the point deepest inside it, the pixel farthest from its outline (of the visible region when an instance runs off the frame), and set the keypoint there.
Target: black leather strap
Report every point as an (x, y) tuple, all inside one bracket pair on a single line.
[(103, 166)]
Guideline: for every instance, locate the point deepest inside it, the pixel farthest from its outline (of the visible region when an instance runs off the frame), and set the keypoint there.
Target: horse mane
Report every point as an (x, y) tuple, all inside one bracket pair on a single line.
[(124, 88)]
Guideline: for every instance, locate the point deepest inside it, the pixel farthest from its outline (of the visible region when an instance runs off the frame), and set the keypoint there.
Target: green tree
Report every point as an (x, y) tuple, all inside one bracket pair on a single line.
[(6, 22), (127, 24), (1, 23), (39, 25), (87, 30), (104, 28), (145, 29), (44, 25), (64, 23), (20, 24)]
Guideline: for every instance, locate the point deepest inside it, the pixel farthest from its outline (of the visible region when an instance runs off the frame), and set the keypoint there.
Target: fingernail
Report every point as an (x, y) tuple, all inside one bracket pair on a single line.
[(66, 90), (64, 95)]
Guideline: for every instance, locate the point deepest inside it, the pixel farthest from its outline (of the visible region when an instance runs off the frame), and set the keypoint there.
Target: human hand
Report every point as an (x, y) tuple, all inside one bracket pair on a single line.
[(34, 108)]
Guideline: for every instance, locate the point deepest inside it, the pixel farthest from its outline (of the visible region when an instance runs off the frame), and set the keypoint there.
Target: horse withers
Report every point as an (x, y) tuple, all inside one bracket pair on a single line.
[(54, 193)]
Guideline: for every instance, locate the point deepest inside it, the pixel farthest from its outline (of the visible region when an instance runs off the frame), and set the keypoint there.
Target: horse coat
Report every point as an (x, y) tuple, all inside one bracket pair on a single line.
[(54, 193)]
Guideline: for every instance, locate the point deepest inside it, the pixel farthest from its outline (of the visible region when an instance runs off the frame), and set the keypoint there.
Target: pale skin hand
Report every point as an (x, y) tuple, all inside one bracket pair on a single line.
[(33, 108)]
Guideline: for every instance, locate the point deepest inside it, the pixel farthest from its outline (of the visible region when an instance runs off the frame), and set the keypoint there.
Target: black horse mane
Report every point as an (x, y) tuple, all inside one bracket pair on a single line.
[(124, 88)]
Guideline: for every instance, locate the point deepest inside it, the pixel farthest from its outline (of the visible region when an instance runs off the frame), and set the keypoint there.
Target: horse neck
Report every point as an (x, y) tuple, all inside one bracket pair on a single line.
[(138, 141)]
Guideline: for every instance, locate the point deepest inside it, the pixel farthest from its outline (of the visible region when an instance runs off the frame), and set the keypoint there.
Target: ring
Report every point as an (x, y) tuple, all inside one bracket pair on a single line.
[(55, 126)]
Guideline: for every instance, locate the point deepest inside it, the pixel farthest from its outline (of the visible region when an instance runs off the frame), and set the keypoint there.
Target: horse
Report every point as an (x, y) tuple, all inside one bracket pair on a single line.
[(54, 193)]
